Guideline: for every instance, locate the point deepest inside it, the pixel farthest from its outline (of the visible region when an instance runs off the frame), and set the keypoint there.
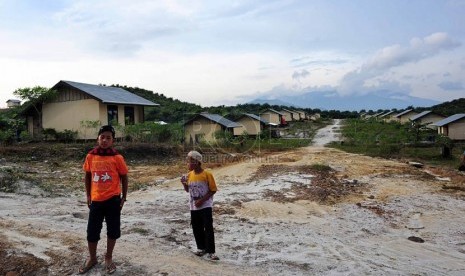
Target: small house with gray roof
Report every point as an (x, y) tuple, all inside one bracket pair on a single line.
[(290, 115), (427, 118), (274, 117), (303, 115), (387, 116), (404, 116), (452, 127), (76, 103), (13, 103), (250, 124), (203, 127)]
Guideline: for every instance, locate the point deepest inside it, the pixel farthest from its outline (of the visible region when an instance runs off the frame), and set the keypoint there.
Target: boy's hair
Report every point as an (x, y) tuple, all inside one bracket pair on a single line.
[(107, 128), (195, 155)]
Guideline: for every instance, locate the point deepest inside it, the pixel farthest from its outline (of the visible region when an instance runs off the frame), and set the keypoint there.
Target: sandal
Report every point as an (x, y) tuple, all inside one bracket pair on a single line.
[(110, 268), (200, 252), (213, 257), (86, 266)]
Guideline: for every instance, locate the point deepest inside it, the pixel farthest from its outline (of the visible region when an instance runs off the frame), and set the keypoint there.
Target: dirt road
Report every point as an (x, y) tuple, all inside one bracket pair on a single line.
[(283, 214)]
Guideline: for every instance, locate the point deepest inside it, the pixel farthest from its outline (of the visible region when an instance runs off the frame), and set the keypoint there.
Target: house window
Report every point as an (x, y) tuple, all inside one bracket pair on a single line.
[(129, 115), (112, 114)]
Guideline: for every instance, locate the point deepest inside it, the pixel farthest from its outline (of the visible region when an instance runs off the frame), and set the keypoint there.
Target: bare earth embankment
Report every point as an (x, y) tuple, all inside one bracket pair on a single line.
[(283, 214)]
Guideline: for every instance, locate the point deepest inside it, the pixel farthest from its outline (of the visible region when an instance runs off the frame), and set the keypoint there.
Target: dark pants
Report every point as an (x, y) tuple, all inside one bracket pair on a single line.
[(202, 225), (109, 210)]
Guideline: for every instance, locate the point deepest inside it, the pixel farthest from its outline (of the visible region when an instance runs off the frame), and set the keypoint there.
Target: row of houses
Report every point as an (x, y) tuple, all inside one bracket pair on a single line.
[(452, 126), (204, 125), (79, 102), (76, 103)]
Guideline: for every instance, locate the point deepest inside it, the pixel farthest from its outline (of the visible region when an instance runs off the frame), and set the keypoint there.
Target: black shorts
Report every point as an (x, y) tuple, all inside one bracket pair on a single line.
[(108, 210)]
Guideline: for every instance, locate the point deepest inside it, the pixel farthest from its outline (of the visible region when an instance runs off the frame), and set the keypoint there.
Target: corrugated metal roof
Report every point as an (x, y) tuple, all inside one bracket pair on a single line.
[(108, 94), (449, 119), (217, 119), (384, 115), (403, 113), (257, 118), (290, 111), (274, 111), (418, 116)]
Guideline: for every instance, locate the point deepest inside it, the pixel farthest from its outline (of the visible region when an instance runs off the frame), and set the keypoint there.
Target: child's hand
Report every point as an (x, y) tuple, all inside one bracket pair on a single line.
[(184, 180), (89, 201), (198, 202)]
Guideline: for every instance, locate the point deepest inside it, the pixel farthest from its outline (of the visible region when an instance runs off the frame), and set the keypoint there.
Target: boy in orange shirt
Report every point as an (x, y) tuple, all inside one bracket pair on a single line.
[(106, 183), (201, 187)]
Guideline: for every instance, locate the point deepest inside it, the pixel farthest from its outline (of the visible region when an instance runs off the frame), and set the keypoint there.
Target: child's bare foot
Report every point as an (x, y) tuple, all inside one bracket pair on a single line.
[(110, 266), (87, 265)]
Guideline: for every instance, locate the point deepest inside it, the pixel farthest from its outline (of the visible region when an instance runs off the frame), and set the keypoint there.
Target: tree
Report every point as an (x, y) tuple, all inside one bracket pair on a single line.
[(35, 97)]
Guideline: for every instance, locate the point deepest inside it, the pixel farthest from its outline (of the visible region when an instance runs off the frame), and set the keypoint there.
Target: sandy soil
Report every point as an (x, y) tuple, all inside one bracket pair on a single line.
[(311, 211)]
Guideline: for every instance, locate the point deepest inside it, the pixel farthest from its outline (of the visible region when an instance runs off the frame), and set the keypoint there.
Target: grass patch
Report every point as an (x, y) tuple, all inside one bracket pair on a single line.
[(393, 140), (320, 167)]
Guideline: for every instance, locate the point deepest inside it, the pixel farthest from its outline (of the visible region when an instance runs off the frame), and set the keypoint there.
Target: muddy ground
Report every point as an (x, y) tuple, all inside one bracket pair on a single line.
[(311, 211)]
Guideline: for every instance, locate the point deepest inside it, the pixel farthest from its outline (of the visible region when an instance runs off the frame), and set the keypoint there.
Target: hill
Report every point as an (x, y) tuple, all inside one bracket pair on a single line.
[(331, 100), (327, 103), (450, 108), (174, 111)]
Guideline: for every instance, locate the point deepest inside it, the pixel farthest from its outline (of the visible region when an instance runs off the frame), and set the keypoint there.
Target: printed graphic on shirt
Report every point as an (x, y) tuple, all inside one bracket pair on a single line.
[(103, 177), (199, 185), (198, 190)]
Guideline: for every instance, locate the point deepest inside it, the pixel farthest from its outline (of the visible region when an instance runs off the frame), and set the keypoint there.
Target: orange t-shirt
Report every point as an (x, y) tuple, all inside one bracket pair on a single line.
[(106, 172)]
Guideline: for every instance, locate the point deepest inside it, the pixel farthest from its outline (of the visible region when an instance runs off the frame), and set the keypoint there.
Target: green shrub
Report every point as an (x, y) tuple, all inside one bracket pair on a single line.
[(7, 137), (49, 133), (66, 136)]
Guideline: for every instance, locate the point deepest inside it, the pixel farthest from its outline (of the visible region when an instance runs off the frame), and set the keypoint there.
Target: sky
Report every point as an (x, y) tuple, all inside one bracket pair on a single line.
[(226, 52)]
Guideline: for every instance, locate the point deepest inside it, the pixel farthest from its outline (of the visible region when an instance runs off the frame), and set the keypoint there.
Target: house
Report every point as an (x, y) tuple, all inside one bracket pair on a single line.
[(378, 115), (76, 103), (303, 115), (290, 115), (373, 116), (204, 127), (274, 117), (315, 117), (251, 124), (452, 127), (298, 116), (386, 116), (404, 116), (390, 116), (13, 103), (428, 118)]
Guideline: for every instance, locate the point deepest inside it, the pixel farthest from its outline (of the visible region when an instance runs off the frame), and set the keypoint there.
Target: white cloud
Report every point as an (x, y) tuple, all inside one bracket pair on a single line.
[(202, 50), (392, 57)]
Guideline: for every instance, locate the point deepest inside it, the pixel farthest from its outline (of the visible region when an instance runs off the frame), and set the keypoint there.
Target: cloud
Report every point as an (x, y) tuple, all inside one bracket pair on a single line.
[(122, 27), (395, 56), (450, 85), (418, 49), (300, 75), (307, 61)]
